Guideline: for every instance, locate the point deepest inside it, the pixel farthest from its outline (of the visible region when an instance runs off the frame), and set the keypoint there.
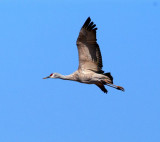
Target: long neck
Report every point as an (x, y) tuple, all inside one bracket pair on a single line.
[(65, 77)]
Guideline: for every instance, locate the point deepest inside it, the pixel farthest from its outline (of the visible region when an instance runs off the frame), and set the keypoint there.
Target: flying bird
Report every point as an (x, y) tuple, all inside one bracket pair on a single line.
[(90, 61)]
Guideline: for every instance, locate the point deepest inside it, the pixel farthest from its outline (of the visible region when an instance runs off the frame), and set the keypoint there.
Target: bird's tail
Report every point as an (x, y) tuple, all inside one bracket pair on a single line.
[(108, 74)]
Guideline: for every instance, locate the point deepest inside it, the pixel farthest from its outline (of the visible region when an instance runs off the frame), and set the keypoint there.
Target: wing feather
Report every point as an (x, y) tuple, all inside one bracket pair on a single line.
[(89, 52)]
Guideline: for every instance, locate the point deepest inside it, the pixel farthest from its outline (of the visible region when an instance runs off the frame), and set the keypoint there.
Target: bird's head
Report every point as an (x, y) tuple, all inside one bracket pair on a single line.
[(52, 75)]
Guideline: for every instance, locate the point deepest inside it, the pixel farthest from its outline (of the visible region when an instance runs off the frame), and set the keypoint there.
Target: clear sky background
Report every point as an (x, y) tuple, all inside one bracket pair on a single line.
[(39, 37)]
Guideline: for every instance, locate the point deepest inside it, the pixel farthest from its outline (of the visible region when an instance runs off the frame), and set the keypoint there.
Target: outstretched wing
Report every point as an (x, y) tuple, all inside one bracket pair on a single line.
[(89, 53)]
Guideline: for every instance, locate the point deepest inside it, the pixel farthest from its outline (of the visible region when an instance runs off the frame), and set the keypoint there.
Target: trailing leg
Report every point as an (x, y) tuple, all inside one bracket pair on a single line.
[(112, 85)]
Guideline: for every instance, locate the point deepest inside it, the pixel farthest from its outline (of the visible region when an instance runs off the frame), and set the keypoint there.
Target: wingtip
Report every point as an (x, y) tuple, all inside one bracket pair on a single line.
[(89, 25), (89, 18)]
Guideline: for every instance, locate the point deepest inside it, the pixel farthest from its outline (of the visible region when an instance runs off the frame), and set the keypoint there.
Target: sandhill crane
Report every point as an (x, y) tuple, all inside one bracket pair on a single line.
[(90, 61)]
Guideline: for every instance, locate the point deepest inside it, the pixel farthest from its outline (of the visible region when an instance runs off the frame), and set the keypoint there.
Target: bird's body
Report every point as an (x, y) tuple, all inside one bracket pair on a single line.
[(87, 77), (90, 61)]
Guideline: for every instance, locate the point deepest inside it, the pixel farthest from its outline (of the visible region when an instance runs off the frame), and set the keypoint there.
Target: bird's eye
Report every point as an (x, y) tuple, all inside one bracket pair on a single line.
[(51, 74)]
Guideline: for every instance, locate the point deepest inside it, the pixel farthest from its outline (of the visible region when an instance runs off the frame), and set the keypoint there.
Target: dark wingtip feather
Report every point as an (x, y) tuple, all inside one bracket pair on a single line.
[(86, 22), (89, 25)]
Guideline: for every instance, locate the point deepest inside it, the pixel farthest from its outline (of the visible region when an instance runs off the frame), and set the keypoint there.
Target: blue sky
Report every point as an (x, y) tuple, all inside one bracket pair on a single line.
[(39, 37)]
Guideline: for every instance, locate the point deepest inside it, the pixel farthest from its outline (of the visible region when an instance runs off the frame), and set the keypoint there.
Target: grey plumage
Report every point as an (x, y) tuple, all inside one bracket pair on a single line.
[(90, 60)]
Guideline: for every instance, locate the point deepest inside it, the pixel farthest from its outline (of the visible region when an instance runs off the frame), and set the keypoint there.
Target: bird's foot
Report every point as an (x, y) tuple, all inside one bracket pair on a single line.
[(120, 88)]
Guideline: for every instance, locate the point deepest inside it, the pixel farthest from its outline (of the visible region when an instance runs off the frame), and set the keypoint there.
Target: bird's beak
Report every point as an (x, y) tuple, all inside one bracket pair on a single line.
[(46, 77)]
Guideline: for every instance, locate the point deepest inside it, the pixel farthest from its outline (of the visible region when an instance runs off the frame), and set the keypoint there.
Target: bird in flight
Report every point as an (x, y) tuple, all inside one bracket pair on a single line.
[(90, 61)]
